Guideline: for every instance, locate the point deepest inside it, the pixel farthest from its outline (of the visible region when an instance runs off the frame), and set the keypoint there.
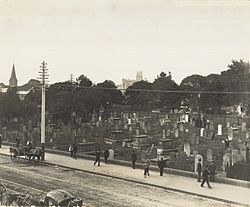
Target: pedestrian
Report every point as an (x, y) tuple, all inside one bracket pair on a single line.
[(199, 170), (106, 155), (212, 169), (17, 141), (146, 168), (162, 165), (74, 149), (133, 159), (205, 175), (1, 140), (97, 157)]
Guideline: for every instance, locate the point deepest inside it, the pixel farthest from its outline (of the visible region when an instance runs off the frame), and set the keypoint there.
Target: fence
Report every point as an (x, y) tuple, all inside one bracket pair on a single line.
[(238, 171)]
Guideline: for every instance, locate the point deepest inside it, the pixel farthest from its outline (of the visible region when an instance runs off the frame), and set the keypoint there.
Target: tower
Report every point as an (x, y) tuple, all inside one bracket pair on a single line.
[(139, 76), (13, 79)]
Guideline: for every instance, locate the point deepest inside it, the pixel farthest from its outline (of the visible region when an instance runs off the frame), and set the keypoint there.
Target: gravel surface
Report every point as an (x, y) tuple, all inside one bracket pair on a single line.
[(37, 179)]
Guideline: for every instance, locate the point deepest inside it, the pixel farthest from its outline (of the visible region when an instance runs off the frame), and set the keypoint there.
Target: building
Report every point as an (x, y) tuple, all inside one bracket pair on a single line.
[(127, 82), (13, 79)]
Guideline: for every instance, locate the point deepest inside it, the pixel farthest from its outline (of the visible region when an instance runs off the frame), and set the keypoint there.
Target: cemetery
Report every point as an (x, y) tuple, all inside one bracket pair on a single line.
[(180, 138)]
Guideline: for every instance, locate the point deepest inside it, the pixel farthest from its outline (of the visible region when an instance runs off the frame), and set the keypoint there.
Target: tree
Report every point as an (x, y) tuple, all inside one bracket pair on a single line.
[(82, 80), (166, 99), (140, 99)]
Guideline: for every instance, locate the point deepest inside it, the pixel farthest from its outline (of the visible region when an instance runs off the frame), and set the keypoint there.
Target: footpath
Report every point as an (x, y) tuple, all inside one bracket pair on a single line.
[(230, 193)]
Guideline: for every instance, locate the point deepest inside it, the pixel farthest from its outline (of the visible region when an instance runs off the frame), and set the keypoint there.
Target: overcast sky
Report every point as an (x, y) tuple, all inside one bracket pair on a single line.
[(108, 39)]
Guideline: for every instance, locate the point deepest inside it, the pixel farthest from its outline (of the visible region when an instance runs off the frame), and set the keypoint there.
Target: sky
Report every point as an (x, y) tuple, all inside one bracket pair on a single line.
[(112, 39)]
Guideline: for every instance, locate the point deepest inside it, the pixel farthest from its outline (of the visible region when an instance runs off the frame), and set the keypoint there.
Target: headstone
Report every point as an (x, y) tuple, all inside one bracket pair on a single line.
[(228, 124), (111, 154), (234, 156), (226, 160), (197, 157), (244, 126), (219, 129), (230, 133), (186, 118), (129, 121), (202, 132), (176, 133), (209, 155), (247, 135), (187, 149)]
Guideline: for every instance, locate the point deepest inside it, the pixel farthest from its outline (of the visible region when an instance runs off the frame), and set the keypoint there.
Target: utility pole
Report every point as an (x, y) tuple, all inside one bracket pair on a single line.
[(43, 76)]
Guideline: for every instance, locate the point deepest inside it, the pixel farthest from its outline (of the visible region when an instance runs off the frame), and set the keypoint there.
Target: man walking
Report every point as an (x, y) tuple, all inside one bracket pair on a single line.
[(133, 159), (212, 169), (146, 168), (199, 169), (97, 157), (162, 165), (205, 175), (106, 155), (74, 149)]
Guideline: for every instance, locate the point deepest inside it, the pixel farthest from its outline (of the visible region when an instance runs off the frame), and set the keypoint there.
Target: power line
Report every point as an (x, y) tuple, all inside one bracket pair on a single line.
[(154, 90)]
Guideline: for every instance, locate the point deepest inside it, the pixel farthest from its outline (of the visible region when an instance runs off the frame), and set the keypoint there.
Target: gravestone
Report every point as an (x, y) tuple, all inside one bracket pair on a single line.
[(226, 160), (243, 126), (234, 156), (219, 129), (111, 154), (209, 155), (176, 133), (187, 149), (202, 132), (197, 157)]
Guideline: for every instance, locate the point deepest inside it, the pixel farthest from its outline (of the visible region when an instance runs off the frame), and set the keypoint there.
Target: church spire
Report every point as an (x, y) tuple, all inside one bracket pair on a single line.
[(13, 79)]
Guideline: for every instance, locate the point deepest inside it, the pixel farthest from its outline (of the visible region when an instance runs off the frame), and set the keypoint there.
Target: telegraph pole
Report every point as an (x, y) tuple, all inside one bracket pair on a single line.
[(43, 76)]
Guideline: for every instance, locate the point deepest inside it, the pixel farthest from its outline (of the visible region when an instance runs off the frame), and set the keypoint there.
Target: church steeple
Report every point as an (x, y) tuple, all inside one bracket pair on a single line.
[(13, 79)]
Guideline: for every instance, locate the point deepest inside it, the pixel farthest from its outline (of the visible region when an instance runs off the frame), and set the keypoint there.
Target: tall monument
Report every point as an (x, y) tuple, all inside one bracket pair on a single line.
[(13, 79)]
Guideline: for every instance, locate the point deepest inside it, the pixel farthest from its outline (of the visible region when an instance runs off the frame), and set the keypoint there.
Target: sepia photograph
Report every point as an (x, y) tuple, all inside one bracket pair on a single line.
[(125, 103)]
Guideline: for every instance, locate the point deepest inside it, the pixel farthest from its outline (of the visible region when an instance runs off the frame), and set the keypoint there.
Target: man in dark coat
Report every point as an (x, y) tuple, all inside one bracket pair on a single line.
[(162, 165), (133, 159), (205, 175), (74, 150), (106, 155), (212, 169), (199, 169), (97, 157)]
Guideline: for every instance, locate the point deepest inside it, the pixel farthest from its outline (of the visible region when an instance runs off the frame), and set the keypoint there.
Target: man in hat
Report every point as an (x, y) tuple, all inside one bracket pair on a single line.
[(162, 165), (212, 169), (146, 168), (199, 170), (205, 175), (133, 159)]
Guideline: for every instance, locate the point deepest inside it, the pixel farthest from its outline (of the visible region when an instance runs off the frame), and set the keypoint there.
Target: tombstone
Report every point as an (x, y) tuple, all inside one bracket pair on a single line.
[(243, 126), (137, 132), (202, 132), (234, 156), (209, 155), (219, 129), (186, 118), (230, 133), (226, 160), (247, 135), (197, 140), (187, 149), (197, 157), (111, 154), (176, 133), (164, 134), (181, 127), (129, 121), (228, 124)]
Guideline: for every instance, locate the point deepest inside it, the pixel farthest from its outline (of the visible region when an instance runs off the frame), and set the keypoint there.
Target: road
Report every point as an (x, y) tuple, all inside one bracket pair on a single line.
[(99, 191)]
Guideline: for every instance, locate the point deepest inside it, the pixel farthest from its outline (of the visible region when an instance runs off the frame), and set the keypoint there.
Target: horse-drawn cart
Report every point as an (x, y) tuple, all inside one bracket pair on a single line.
[(26, 152)]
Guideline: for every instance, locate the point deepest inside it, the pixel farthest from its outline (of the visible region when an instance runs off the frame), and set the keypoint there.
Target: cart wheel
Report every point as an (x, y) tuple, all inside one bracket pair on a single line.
[(3, 195), (14, 154)]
